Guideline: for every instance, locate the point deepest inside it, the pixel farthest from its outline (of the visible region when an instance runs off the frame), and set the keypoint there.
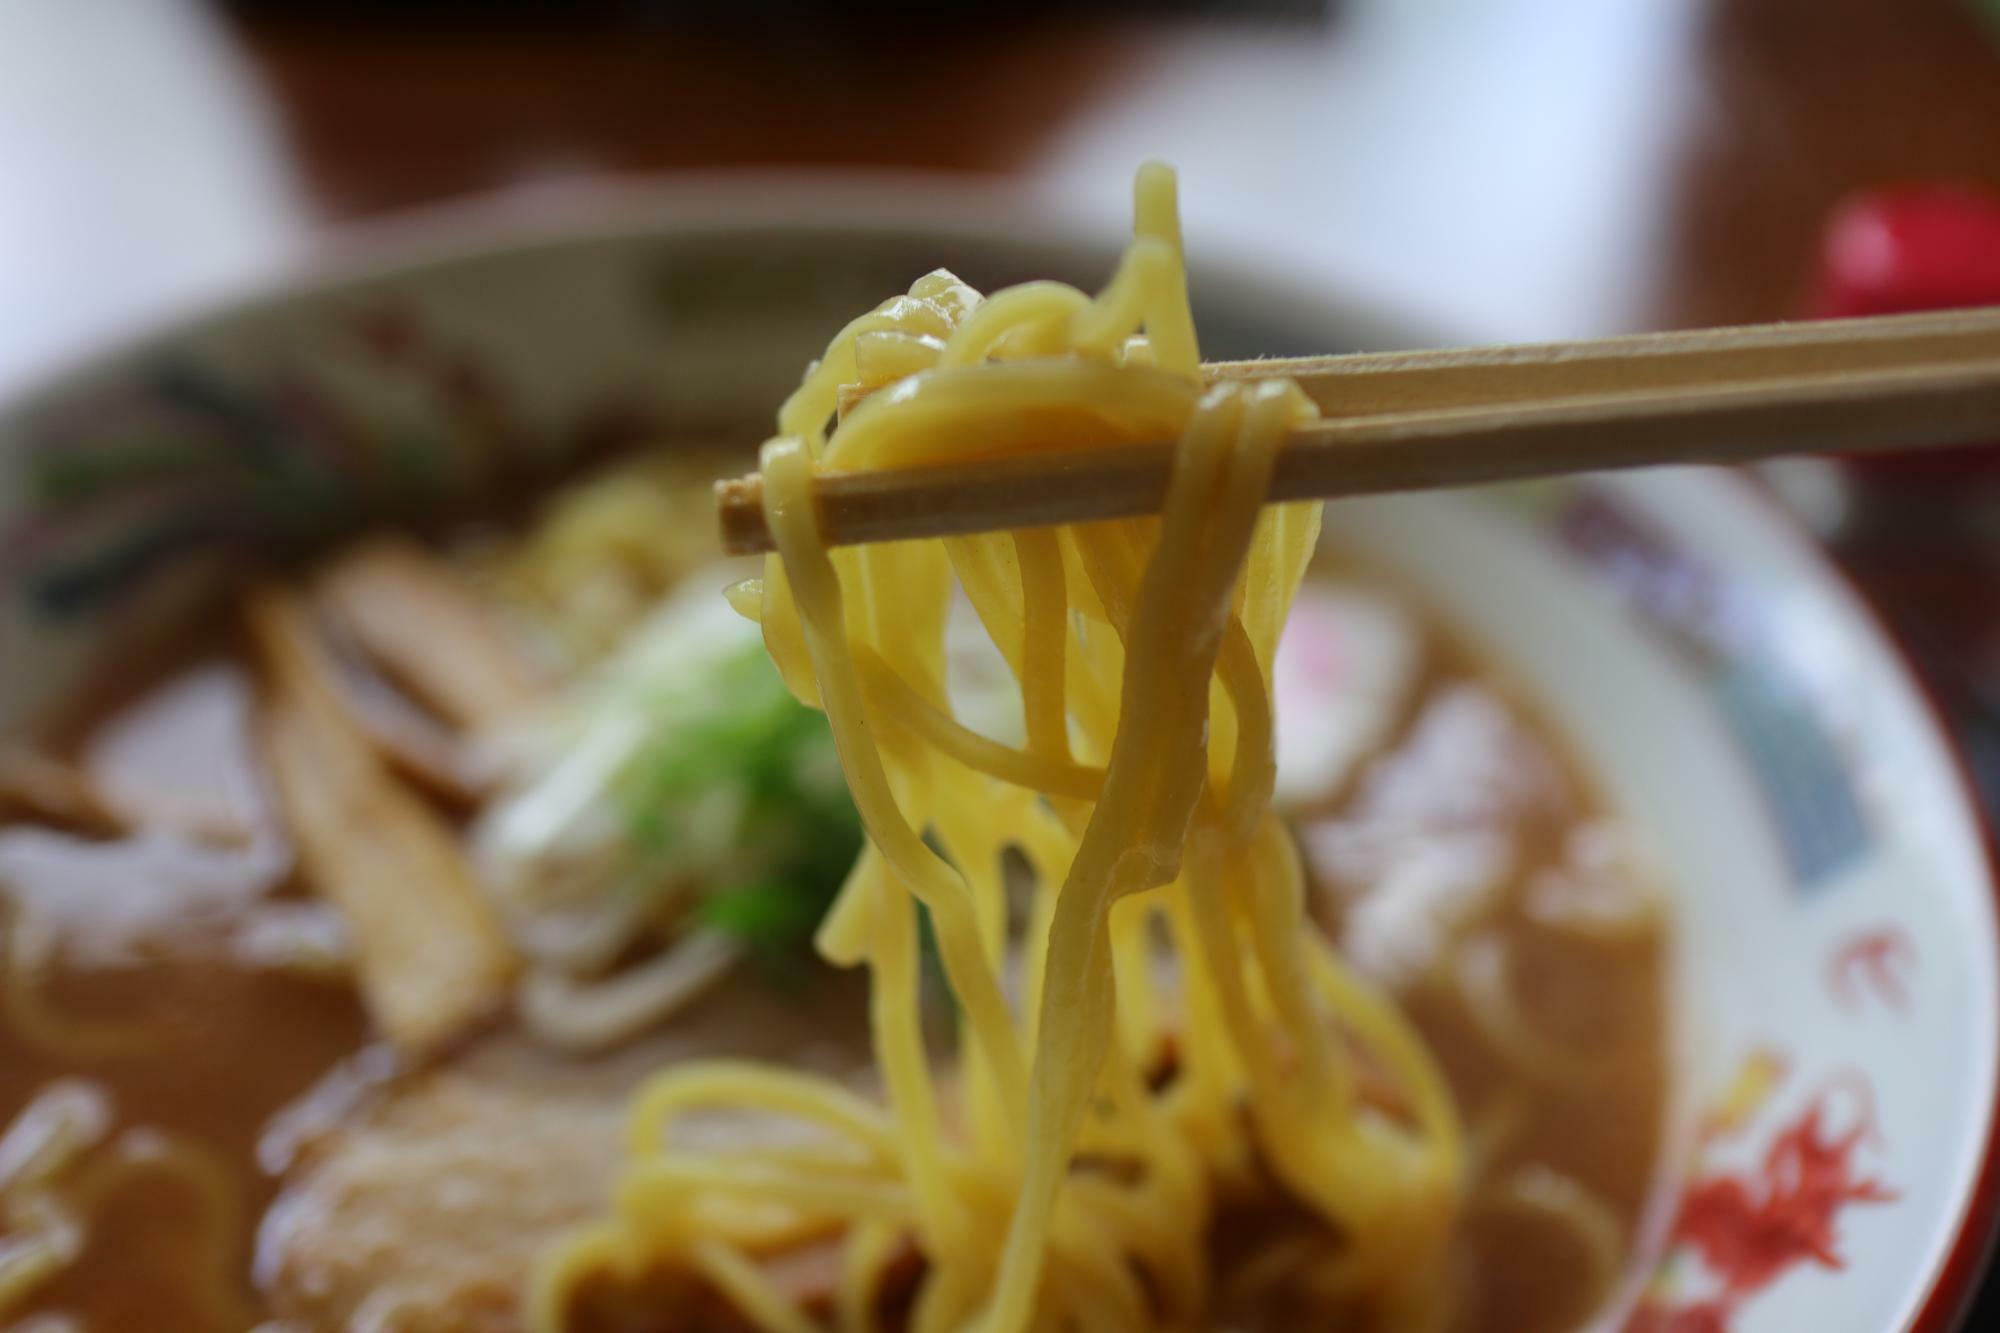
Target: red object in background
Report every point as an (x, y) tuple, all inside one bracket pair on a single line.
[(1921, 248), (1934, 247)]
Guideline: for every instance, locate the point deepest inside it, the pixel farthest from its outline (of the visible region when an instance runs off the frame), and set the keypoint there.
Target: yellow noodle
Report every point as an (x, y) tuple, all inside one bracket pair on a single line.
[(868, 1253), (217, 1288), (1539, 1191), (56, 1174), (728, 1085), (1067, 1191), (571, 1261), (1482, 971), (746, 1177), (737, 1278), (27, 960)]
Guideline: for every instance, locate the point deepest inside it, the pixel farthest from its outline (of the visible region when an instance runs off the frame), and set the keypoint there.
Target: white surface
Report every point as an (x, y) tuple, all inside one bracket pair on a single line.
[(137, 172), (1485, 167), (1491, 167)]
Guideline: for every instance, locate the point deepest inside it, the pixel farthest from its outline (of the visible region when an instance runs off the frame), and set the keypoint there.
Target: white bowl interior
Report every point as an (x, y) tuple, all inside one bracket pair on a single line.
[(1760, 926)]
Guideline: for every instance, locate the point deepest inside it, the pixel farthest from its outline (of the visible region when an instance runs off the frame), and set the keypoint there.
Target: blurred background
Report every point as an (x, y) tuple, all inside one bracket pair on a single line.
[(1489, 169)]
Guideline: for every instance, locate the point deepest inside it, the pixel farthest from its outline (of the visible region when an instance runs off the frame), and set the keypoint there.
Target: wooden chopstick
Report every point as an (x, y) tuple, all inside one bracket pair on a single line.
[(1436, 380), (1413, 421)]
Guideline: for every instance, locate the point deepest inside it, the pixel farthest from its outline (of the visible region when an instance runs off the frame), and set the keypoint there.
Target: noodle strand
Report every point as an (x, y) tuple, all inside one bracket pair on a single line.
[(1160, 1027)]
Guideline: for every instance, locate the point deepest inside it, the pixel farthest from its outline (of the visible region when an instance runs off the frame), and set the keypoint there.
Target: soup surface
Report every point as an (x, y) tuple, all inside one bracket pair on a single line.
[(218, 1111)]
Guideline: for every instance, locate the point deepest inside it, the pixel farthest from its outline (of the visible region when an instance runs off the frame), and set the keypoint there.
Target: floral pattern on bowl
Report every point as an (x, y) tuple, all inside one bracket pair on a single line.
[(1765, 1196), (375, 416)]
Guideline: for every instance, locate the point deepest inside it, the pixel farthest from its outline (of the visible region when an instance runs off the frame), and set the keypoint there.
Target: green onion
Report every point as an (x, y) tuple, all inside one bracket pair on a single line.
[(682, 779)]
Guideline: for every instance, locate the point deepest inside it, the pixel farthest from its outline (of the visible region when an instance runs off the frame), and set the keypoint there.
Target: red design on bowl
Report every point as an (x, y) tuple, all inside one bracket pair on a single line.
[(1742, 1229), (1872, 961)]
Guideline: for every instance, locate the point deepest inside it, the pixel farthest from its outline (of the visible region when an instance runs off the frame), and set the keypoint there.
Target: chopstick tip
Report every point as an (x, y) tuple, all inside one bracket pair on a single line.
[(739, 515)]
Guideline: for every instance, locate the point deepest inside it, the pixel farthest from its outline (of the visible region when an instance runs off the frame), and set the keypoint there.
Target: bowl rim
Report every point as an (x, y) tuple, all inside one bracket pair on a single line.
[(1954, 1283), (609, 208)]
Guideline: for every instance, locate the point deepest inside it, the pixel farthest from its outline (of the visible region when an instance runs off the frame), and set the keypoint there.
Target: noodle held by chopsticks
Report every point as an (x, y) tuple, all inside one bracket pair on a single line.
[(1069, 1186)]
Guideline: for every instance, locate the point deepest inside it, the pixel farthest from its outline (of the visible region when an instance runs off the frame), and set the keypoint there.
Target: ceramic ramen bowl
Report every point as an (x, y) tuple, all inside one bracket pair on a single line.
[(1834, 903)]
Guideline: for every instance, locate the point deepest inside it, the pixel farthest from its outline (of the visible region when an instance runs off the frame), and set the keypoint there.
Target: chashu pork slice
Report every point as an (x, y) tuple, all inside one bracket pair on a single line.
[(424, 1209)]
